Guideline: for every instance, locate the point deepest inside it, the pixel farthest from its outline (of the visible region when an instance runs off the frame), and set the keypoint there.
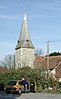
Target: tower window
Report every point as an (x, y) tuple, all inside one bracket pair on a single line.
[(27, 40), (18, 41)]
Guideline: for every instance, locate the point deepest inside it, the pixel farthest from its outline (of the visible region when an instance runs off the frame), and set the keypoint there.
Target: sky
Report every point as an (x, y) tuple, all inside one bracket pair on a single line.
[(44, 20)]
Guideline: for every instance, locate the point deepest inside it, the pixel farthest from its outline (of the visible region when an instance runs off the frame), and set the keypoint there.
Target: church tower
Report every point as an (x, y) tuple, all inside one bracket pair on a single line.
[(24, 48)]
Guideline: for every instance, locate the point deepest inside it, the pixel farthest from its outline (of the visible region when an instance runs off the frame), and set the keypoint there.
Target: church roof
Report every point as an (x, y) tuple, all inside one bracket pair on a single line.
[(24, 39)]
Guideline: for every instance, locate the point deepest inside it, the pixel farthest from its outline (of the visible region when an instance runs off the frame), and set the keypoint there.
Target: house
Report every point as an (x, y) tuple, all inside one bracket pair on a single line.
[(54, 65)]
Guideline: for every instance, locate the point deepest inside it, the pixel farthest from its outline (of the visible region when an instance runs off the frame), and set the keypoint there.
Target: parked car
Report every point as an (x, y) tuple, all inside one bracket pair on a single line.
[(15, 86)]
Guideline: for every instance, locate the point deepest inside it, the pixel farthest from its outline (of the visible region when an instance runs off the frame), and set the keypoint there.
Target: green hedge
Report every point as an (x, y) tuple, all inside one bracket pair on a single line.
[(30, 74)]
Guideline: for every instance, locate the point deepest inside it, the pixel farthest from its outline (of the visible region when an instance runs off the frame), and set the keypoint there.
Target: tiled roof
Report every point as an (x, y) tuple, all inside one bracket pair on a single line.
[(41, 61)]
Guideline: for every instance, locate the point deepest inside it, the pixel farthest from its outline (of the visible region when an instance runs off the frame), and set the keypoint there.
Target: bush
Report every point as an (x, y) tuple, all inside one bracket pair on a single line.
[(30, 74)]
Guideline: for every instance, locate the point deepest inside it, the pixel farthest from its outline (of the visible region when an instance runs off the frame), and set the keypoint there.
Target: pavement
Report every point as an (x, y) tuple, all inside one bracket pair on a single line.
[(4, 95)]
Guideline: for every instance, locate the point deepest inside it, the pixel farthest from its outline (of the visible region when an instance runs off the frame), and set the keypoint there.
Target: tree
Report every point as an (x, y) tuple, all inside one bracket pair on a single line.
[(55, 54), (38, 52), (2, 63), (9, 61)]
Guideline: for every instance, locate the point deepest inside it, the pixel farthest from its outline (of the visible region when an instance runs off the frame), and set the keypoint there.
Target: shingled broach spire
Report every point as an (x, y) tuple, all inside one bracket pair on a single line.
[(24, 48), (24, 39)]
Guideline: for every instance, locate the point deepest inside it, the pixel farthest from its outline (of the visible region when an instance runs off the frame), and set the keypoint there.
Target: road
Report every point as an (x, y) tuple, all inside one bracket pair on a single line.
[(3, 95)]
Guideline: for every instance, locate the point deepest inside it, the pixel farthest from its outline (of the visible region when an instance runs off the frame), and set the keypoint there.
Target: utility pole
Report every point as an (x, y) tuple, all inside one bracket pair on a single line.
[(48, 60), (47, 56), (48, 63)]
